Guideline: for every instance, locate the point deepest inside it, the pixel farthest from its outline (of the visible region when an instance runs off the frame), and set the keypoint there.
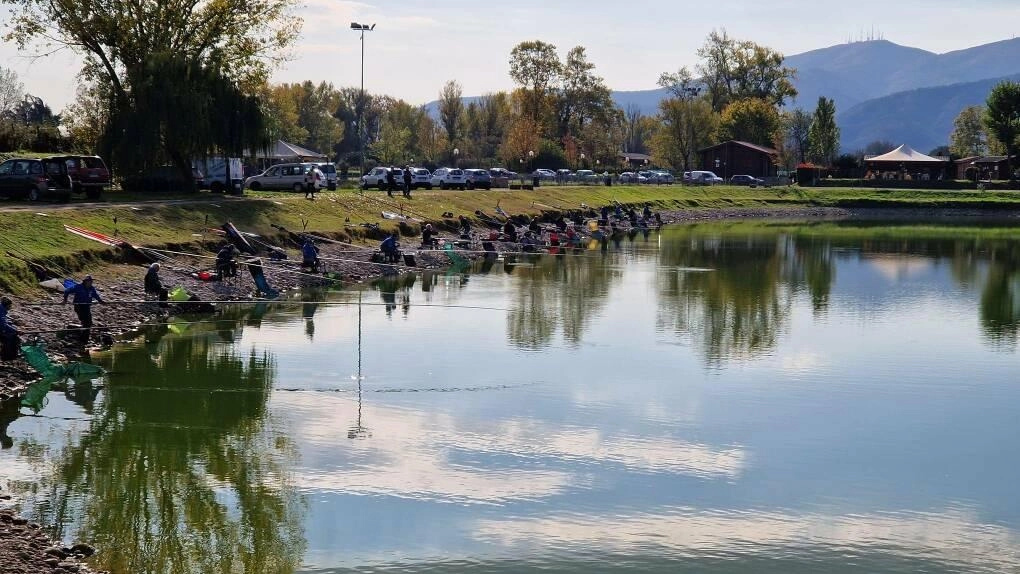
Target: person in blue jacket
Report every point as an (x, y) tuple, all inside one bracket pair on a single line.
[(390, 248), (84, 294), (310, 255)]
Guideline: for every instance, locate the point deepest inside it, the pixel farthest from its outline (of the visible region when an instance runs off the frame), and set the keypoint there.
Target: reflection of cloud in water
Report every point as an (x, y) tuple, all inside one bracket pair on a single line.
[(954, 536), (655, 454), (418, 455), (899, 267)]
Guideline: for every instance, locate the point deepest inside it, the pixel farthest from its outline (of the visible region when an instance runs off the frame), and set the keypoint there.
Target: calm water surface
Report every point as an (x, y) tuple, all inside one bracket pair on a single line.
[(741, 397)]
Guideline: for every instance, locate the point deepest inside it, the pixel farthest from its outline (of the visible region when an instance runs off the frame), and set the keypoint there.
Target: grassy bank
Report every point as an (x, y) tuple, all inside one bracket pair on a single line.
[(38, 234)]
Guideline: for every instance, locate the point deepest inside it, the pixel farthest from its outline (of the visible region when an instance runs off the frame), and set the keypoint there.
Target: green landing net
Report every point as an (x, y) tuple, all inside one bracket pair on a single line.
[(35, 355)]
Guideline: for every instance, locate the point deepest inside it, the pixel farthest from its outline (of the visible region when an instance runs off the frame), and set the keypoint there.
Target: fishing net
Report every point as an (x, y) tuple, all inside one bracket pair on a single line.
[(455, 258), (179, 295), (35, 356)]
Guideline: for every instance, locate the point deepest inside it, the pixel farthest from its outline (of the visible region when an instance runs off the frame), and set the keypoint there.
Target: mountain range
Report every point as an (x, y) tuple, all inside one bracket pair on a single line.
[(885, 91)]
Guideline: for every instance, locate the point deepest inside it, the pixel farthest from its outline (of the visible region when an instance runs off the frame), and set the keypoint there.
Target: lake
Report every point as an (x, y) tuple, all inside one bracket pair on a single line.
[(724, 397)]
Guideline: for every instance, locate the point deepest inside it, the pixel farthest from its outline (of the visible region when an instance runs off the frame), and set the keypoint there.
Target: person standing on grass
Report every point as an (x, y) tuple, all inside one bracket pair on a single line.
[(391, 181), (407, 181), (84, 294)]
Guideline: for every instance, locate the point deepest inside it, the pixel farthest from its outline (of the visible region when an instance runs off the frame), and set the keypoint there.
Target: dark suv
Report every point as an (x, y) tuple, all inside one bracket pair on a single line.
[(34, 179), (88, 173)]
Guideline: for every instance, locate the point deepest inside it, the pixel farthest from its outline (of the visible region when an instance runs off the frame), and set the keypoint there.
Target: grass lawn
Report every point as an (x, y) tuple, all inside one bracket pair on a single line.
[(37, 233)]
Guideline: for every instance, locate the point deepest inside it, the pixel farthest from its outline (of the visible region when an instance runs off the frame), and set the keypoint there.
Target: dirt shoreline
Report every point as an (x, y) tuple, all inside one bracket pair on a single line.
[(26, 548)]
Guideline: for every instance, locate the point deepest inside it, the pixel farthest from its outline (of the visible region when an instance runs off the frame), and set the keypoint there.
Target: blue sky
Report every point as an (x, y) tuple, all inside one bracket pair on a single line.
[(418, 45)]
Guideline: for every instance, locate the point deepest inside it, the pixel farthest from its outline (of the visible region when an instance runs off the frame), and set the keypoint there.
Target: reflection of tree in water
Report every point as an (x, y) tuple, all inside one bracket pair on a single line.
[(1000, 296), (180, 472), (735, 310), (564, 293)]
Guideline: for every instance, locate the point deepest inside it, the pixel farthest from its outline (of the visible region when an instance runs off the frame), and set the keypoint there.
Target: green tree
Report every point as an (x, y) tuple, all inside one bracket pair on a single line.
[(535, 67), (824, 133), (969, 137), (451, 111), (199, 61), (85, 118), (797, 126), (688, 122), (733, 70), (584, 97), (685, 127), (392, 146), (750, 120), (1002, 118)]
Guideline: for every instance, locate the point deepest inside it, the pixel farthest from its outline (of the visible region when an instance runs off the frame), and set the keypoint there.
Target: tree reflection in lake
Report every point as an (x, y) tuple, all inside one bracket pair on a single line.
[(558, 292), (728, 295), (181, 470)]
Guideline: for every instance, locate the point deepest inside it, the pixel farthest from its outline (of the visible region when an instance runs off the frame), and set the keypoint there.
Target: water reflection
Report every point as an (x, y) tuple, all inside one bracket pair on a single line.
[(552, 294), (181, 470), (740, 308)]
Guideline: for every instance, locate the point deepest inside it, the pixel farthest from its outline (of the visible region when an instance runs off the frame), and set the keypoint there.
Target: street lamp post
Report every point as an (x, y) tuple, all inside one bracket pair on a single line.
[(362, 133), (531, 159), (582, 160), (456, 158)]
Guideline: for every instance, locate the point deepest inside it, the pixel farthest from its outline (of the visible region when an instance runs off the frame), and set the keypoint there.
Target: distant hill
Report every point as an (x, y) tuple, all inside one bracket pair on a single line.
[(922, 118), (856, 72)]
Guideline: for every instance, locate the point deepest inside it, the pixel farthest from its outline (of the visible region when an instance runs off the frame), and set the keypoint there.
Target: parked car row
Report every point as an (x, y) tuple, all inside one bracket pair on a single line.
[(443, 178), (55, 177), (658, 177)]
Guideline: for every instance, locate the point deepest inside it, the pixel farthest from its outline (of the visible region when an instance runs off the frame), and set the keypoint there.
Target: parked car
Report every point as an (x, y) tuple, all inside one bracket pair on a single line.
[(565, 175), (420, 177), (329, 171), (287, 176), (377, 178), (544, 174), (478, 178), (501, 172), (658, 176), (88, 173), (746, 180), (585, 176), (705, 178), (632, 177), (446, 177), (35, 179)]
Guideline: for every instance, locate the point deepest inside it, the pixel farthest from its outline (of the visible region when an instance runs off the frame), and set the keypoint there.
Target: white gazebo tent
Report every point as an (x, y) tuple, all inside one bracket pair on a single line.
[(905, 160), (283, 151)]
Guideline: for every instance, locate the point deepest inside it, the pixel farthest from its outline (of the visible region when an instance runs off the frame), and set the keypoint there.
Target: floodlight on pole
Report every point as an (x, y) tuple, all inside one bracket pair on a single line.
[(362, 132)]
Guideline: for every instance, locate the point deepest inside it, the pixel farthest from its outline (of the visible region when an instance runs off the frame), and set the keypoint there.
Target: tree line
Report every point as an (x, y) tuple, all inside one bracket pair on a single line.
[(164, 82)]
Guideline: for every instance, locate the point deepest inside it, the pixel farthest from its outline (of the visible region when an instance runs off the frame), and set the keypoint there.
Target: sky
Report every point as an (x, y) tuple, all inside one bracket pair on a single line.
[(418, 45)]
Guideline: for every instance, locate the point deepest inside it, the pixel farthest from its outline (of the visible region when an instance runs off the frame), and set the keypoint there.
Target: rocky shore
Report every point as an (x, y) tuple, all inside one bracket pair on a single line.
[(25, 548)]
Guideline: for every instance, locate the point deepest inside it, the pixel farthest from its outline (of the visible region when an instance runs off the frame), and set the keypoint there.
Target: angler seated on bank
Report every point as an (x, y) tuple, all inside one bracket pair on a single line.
[(310, 256), (226, 264)]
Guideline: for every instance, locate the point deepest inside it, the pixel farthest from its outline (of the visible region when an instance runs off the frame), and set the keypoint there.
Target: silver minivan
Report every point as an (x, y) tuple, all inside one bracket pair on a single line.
[(287, 176)]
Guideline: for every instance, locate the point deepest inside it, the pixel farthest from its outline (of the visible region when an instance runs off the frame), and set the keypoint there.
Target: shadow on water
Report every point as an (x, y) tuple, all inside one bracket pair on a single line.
[(181, 469)]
